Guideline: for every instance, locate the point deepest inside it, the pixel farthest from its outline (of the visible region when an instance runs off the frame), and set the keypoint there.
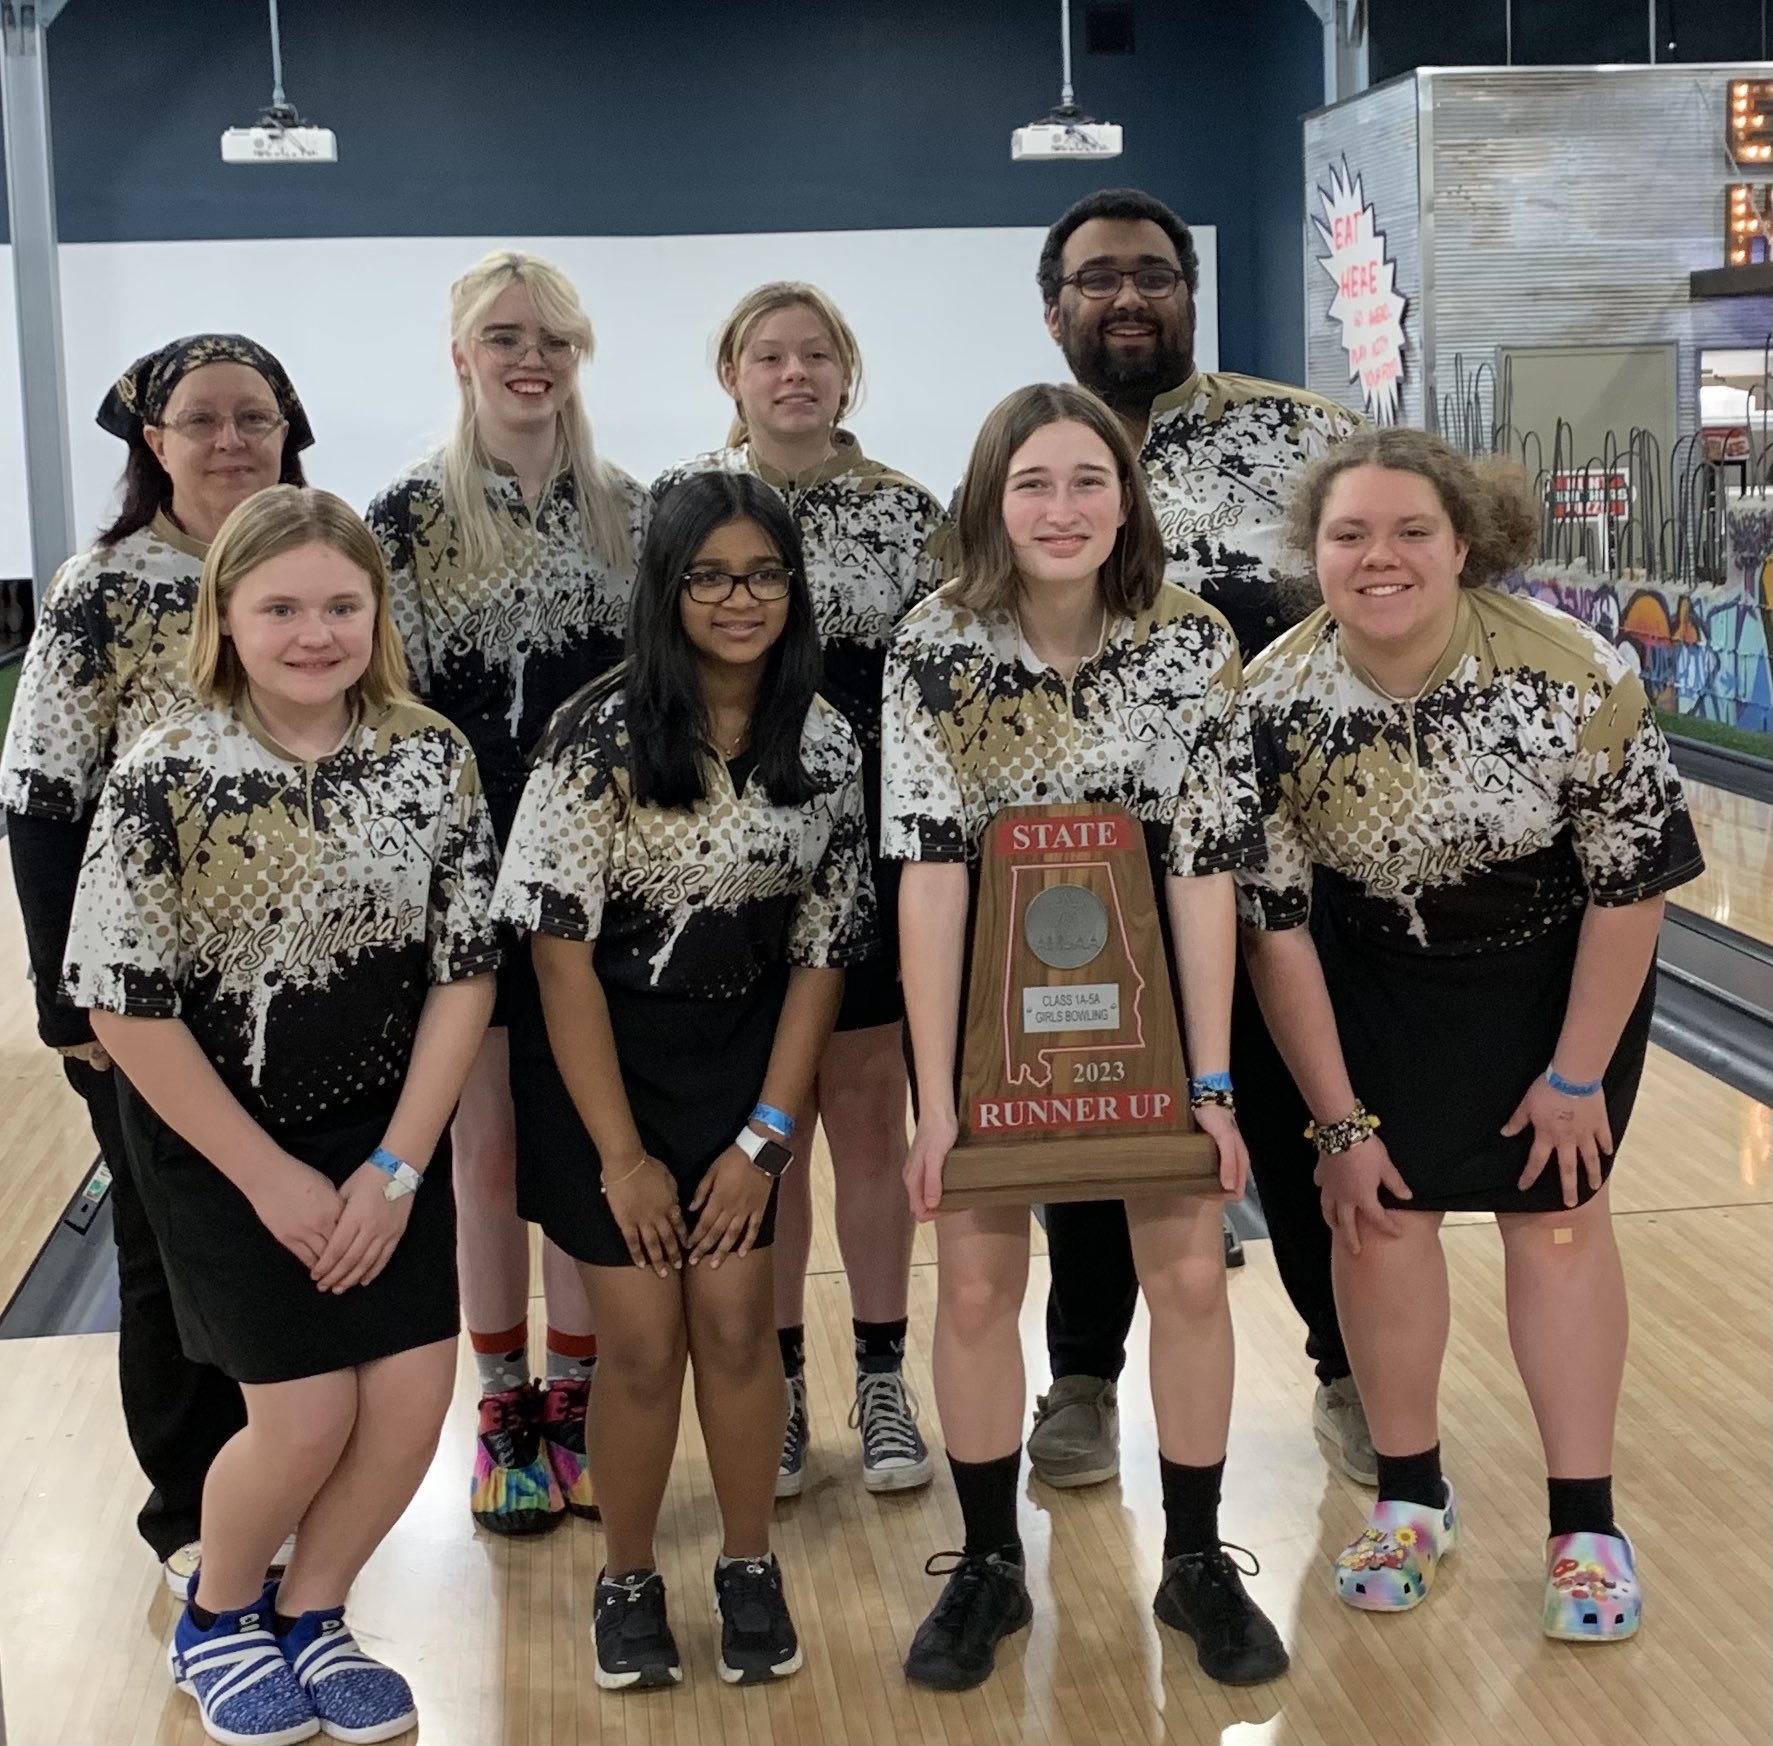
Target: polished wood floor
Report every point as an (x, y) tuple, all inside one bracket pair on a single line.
[(494, 1636), (1736, 888)]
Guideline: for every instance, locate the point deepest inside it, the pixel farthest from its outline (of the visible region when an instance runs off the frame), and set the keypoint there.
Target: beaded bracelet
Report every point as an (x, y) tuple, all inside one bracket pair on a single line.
[(1569, 1088), (1211, 1089), (1333, 1137)]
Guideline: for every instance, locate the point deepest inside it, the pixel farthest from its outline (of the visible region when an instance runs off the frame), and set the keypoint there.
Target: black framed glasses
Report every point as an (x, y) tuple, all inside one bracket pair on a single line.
[(1101, 283), (711, 587)]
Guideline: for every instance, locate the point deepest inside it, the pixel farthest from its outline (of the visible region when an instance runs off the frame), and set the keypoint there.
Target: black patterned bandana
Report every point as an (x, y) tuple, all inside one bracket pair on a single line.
[(140, 394)]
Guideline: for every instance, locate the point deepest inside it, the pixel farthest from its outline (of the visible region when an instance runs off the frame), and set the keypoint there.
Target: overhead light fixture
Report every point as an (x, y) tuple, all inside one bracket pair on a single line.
[(279, 136), (1066, 132)]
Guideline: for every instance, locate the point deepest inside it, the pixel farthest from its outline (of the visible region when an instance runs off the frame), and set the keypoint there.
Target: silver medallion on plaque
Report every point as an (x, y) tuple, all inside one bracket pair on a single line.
[(1065, 926)]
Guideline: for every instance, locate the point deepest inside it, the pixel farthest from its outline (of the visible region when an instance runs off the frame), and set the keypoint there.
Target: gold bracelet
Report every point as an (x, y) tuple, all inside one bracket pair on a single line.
[(604, 1183), (1334, 1138)]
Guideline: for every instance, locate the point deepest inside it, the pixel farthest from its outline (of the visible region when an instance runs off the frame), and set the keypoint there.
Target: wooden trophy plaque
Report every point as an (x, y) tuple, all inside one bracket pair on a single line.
[(1072, 1081)]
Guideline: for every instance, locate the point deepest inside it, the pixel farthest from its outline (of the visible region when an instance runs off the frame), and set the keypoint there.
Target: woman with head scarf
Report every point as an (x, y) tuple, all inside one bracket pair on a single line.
[(208, 420)]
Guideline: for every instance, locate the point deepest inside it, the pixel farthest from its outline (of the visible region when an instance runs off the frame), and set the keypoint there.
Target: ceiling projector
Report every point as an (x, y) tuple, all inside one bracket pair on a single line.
[(1062, 136), (274, 142)]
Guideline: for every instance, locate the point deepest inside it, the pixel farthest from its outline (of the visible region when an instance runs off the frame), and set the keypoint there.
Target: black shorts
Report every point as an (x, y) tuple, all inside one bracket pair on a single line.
[(693, 1071), (1442, 1048), (243, 1302)]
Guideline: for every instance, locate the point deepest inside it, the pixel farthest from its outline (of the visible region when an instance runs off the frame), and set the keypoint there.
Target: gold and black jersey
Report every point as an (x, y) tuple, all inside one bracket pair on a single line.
[(499, 652), (1220, 458), (692, 901), (974, 721), (293, 914), (1527, 779), (106, 662), (875, 545)]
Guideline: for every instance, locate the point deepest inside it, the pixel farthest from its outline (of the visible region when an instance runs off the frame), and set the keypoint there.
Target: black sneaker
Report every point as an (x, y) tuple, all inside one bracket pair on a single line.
[(986, 1599), (634, 1641), (1234, 1245), (1203, 1595), (757, 1640)]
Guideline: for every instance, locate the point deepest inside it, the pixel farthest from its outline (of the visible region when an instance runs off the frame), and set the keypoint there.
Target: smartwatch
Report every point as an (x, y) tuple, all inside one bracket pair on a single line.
[(770, 1156)]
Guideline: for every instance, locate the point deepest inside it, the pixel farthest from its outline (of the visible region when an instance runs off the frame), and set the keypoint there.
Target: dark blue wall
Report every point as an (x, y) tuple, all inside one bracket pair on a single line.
[(683, 116)]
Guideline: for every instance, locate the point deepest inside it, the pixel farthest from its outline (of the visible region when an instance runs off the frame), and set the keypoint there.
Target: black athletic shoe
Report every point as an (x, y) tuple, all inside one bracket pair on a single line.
[(1234, 1246), (986, 1599), (1203, 1595), (757, 1640), (634, 1641)]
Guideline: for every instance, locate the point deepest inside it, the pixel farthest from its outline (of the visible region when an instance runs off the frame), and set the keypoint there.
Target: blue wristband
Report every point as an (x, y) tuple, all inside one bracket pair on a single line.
[(1568, 1087), (1211, 1082), (767, 1116), (385, 1160)]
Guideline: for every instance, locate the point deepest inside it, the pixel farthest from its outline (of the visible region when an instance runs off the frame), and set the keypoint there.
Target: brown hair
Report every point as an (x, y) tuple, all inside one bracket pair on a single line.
[(281, 519), (988, 581), (1487, 498), (735, 333)]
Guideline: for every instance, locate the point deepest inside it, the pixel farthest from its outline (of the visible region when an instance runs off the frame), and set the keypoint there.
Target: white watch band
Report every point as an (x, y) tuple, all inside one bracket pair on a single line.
[(750, 1142), (404, 1180)]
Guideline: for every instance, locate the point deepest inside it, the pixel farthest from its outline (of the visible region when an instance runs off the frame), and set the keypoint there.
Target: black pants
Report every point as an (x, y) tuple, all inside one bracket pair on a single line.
[(178, 1414), (1094, 1290)]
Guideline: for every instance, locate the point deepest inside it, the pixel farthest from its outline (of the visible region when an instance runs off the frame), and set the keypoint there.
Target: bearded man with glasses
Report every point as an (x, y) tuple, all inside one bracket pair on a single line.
[(1118, 275)]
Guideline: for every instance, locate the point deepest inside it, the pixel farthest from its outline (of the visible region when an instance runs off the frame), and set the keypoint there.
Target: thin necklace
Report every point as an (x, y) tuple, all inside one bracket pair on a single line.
[(732, 751)]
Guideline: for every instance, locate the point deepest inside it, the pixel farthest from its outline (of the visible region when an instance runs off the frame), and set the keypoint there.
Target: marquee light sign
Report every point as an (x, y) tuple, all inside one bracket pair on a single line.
[(1367, 305)]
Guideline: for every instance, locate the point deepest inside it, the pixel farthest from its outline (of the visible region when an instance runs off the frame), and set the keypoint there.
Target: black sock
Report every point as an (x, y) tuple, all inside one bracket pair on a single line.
[(201, 1617), (879, 1345), (283, 1623), (1412, 1478), (793, 1344), (1191, 1507), (987, 1494), (1582, 1506)]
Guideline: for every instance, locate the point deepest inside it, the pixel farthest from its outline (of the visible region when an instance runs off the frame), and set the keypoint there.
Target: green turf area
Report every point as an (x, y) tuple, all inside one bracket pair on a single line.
[(1717, 733), (8, 685)]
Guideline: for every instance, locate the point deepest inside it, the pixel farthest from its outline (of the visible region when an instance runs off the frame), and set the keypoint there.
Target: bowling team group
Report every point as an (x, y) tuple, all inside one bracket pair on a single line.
[(543, 848)]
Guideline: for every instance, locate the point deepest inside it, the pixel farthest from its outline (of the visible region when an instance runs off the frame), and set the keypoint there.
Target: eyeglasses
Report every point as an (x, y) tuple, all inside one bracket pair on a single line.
[(1099, 283), (712, 587), (252, 426), (508, 345)]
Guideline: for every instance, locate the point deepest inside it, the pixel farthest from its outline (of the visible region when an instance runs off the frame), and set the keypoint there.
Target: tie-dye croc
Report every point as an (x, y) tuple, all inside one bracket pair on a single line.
[(1390, 1567), (1591, 1588)]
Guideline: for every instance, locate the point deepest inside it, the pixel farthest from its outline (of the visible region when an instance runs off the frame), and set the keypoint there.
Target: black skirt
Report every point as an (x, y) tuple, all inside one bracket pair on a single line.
[(243, 1302), (1442, 1048), (693, 1071)]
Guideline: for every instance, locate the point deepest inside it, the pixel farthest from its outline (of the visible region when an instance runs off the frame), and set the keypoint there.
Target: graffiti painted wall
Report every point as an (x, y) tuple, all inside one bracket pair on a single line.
[(1702, 650)]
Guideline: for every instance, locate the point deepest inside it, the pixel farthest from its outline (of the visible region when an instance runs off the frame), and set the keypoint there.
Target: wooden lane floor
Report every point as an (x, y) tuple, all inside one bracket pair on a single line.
[(1736, 888), (495, 1635)]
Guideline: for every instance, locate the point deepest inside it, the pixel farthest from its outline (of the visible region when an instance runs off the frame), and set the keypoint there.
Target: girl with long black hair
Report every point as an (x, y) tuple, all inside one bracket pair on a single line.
[(690, 862)]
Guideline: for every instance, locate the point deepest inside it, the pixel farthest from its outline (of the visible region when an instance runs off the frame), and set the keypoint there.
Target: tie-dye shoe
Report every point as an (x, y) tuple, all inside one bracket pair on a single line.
[(244, 1689), (514, 1490), (1390, 1567), (1591, 1588), (356, 1697), (563, 1440)]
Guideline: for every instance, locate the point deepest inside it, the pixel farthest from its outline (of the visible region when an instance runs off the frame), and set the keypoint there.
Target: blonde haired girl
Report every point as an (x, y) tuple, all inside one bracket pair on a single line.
[(282, 932), (873, 541), (511, 555)]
